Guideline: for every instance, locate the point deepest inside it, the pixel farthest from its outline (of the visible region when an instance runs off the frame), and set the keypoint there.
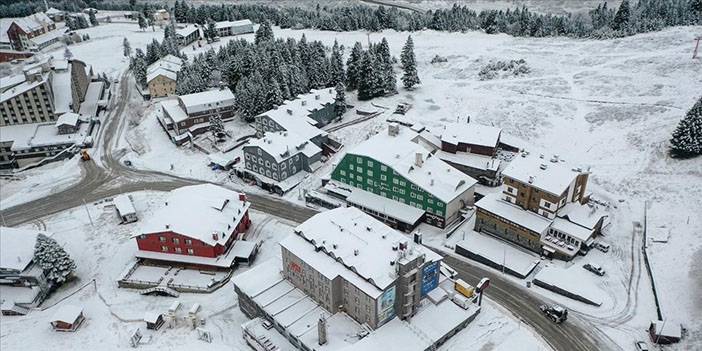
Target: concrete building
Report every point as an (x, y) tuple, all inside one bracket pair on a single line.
[(22, 282), (343, 273), (187, 34), (197, 226), (543, 206), (27, 32), (277, 160), (125, 208), (409, 183), (189, 115), (227, 28), (162, 75), (68, 123)]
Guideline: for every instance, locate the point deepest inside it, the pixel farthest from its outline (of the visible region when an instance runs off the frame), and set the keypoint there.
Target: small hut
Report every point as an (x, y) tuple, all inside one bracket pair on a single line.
[(665, 332), (154, 320), (67, 318)]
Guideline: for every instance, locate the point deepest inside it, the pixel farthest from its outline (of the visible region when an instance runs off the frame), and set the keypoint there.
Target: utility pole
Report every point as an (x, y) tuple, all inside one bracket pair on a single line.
[(88, 212), (697, 45)]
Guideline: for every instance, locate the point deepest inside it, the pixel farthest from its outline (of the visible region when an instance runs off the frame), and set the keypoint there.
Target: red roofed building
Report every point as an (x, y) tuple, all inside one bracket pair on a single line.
[(197, 226)]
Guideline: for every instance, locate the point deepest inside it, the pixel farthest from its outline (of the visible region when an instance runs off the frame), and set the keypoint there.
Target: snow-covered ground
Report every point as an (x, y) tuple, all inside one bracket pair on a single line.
[(39, 182), (103, 250)]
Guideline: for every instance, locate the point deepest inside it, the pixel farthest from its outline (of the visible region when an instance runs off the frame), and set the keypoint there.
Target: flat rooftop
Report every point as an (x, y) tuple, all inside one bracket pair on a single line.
[(553, 177)]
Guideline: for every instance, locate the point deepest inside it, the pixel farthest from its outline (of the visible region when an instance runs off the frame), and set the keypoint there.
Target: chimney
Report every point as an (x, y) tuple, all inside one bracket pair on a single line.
[(168, 226), (355, 252), (322, 330), (418, 159), (316, 97), (543, 166), (290, 112), (215, 236), (304, 103), (418, 237), (531, 179), (242, 197), (431, 182), (393, 129)]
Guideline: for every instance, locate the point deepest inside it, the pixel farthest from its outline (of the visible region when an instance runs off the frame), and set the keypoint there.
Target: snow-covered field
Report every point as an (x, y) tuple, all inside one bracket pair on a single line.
[(39, 182), (103, 250)]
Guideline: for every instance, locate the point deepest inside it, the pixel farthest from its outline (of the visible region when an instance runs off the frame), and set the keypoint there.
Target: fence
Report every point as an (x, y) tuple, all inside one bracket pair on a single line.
[(648, 264)]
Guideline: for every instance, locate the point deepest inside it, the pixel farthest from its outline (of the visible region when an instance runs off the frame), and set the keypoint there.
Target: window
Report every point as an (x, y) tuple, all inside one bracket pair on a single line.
[(369, 181), (413, 204), (359, 160), (369, 173), (162, 239), (274, 166), (383, 177), (260, 161), (188, 242), (395, 181), (178, 250), (359, 178), (176, 241), (440, 204), (268, 164), (342, 172), (142, 236), (413, 195), (402, 183), (164, 248), (282, 166), (259, 152), (370, 163), (191, 252), (383, 168)]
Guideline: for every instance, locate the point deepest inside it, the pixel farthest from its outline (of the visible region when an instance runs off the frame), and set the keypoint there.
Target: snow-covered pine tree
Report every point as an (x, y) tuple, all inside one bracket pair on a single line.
[(53, 259), (264, 33), (687, 137), (386, 70), (210, 31), (142, 22), (139, 67), (93, 19), (410, 78), (367, 75), (274, 96), (621, 19), (338, 75), (317, 66), (67, 54), (340, 100), (127, 47), (216, 127), (353, 66)]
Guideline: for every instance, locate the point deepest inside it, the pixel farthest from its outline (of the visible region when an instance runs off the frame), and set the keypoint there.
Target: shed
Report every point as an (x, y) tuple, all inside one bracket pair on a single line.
[(154, 320), (244, 251), (665, 332), (125, 208), (67, 318)]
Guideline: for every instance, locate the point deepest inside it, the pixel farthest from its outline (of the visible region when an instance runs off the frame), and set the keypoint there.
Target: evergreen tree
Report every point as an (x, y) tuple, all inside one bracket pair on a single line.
[(338, 75), (210, 31), (353, 67), (386, 70), (410, 78), (340, 100), (621, 19), (216, 127), (274, 96), (687, 137), (93, 19), (368, 74), (142, 22), (127, 47), (139, 67), (53, 259), (264, 33), (67, 54)]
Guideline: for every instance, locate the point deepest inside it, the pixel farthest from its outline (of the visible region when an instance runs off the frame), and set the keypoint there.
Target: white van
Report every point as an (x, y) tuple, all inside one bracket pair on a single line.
[(602, 246)]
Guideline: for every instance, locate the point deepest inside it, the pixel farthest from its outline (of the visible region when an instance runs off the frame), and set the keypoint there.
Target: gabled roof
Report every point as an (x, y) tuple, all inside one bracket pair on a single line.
[(494, 204), (198, 211), (187, 30), (225, 24), (67, 314), (207, 100), (160, 71), (68, 119), (399, 153), (471, 133), (17, 247), (552, 177), (350, 243), (283, 145), (124, 204), (33, 22), (53, 11)]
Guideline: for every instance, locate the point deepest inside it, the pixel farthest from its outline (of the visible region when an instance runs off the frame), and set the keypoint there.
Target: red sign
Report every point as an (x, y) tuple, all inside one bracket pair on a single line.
[(295, 267), (484, 284)]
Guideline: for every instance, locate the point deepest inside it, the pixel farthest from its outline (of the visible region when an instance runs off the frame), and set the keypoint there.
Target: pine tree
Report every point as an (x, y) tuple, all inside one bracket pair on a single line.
[(386, 70), (210, 31), (687, 137), (216, 127), (621, 19), (93, 19), (142, 22), (409, 65), (53, 259), (127, 47), (67, 54), (139, 67), (274, 96), (367, 76), (338, 75), (264, 33), (353, 67), (340, 100)]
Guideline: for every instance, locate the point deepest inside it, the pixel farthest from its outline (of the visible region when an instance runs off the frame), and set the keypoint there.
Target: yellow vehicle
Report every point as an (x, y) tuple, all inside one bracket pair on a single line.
[(84, 155), (464, 288)]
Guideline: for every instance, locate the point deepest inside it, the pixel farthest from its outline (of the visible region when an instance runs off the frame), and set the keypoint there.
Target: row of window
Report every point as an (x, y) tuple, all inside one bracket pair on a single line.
[(177, 250)]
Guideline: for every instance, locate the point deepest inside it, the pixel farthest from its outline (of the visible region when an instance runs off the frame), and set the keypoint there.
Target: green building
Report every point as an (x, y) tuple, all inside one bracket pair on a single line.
[(400, 182)]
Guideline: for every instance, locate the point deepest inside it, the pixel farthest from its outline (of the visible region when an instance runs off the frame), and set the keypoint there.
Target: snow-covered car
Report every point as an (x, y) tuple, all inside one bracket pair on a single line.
[(594, 268), (641, 346), (604, 247)]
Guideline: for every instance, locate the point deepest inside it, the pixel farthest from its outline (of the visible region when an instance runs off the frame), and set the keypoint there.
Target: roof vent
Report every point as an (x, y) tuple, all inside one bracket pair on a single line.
[(541, 156), (304, 103), (316, 97), (215, 236), (368, 229), (335, 246), (531, 179), (290, 112), (418, 159), (431, 182), (168, 226), (355, 252), (392, 262), (166, 203), (543, 166)]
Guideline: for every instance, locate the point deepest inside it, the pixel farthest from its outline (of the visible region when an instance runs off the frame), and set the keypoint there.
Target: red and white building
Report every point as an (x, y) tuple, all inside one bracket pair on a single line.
[(203, 226)]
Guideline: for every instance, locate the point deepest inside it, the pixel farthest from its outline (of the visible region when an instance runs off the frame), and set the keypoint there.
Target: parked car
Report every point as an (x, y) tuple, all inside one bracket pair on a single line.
[(641, 346), (604, 247), (594, 268), (127, 163), (556, 313)]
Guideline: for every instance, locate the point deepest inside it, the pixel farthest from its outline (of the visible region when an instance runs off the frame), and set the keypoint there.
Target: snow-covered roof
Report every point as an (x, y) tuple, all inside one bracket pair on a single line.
[(5, 24), (207, 100), (293, 123), (89, 106), (60, 86), (68, 119), (399, 153), (186, 31), (527, 219), (151, 317), (170, 58), (174, 111), (585, 215), (53, 11), (470, 160), (161, 71), (226, 24), (350, 243), (380, 204), (283, 145), (28, 136), (59, 65), (554, 179), (198, 211), (124, 205), (471, 133), (17, 247), (67, 314), (21, 88), (168, 62), (291, 114), (576, 231), (316, 99), (46, 37), (668, 328), (11, 81), (33, 22)]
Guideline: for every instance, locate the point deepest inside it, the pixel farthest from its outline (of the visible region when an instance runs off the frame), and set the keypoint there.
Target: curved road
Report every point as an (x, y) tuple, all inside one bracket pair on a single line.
[(113, 178)]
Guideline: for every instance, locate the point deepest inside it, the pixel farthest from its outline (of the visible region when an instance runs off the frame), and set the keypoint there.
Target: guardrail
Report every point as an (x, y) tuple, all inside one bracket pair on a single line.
[(648, 264)]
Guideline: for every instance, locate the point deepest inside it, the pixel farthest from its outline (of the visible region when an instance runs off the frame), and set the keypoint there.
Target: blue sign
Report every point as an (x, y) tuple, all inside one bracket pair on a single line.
[(430, 277)]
